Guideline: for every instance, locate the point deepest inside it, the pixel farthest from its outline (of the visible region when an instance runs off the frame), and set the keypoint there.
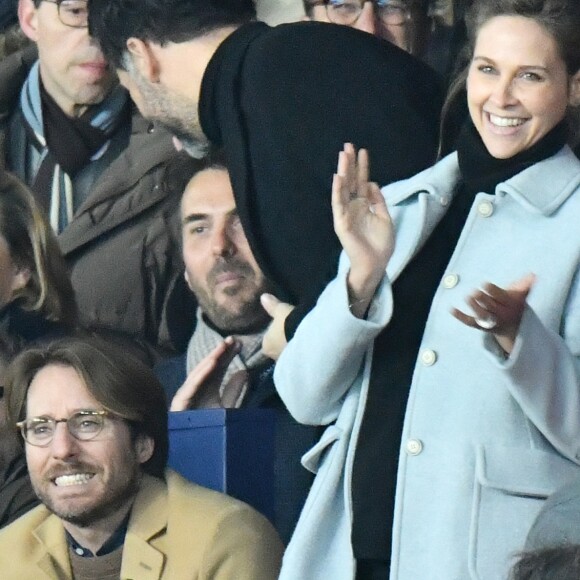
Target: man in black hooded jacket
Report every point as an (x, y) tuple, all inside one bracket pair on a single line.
[(281, 101)]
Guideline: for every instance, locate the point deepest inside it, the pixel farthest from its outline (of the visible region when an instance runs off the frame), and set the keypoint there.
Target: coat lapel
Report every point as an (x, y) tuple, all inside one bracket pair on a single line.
[(141, 561), (53, 559), (431, 188), (545, 186)]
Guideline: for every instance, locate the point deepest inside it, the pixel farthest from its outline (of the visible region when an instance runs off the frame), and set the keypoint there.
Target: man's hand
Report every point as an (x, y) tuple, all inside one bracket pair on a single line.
[(363, 226), (498, 310), (274, 340), (207, 376)]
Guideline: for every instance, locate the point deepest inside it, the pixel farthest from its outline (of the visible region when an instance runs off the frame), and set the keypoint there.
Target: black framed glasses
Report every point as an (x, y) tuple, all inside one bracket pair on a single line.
[(73, 13), (82, 425), (391, 12)]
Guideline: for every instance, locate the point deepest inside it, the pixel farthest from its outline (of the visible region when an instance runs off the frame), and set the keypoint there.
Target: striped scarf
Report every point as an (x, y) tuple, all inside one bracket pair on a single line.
[(235, 381), (57, 186)]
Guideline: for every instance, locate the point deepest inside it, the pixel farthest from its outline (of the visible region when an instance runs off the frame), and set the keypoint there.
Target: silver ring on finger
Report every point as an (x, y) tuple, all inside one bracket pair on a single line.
[(487, 323)]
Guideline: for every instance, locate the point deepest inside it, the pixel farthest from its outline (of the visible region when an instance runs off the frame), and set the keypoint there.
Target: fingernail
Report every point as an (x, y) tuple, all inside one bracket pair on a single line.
[(266, 299)]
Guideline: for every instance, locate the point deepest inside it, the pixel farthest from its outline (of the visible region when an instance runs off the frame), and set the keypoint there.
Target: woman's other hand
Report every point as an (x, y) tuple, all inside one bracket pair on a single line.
[(274, 340), (363, 226), (498, 311)]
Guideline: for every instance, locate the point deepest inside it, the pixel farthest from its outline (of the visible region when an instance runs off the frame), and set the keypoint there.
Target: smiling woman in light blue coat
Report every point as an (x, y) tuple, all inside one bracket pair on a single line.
[(491, 422)]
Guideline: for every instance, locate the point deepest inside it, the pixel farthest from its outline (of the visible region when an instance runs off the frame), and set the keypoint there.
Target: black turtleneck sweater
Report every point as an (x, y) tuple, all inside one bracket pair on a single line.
[(395, 350)]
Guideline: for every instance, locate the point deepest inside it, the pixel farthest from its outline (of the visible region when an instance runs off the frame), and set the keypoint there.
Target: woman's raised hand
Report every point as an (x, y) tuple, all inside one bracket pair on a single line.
[(363, 226)]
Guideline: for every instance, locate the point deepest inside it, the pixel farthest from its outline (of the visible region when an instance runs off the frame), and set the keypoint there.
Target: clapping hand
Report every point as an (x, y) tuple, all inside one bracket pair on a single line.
[(207, 377), (498, 311)]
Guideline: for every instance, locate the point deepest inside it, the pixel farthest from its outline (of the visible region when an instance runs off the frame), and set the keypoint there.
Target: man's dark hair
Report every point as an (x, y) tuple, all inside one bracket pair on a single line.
[(215, 159), (555, 563), (182, 168), (113, 22), (121, 383), (8, 14)]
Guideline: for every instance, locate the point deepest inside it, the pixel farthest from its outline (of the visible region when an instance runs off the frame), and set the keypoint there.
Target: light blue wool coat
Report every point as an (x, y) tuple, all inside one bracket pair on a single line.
[(485, 440)]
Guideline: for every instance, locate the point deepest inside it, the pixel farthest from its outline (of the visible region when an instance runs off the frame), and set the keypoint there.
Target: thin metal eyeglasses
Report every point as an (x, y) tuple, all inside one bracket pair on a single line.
[(73, 13), (348, 11), (82, 425)]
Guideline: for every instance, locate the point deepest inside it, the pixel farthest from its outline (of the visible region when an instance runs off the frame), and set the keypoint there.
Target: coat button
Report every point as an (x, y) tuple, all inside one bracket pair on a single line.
[(428, 357), (450, 281), (151, 128), (444, 200), (485, 208), (414, 446)]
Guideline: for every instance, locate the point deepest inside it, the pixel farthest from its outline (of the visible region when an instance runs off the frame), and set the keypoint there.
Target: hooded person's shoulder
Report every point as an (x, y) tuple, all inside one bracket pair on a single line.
[(299, 56), (317, 43)]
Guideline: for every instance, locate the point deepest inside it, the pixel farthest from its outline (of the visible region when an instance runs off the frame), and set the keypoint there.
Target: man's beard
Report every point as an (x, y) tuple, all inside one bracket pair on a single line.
[(86, 516), (177, 114), (197, 147), (248, 315)]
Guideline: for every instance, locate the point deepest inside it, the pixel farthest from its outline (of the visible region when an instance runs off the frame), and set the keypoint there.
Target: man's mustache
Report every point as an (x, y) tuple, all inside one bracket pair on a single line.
[(230, 266), (69, 469)]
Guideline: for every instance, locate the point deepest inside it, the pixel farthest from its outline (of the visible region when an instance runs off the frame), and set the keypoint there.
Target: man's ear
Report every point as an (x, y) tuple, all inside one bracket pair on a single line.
[(574, 98), (144, 447), (28, 17), (144, 58)]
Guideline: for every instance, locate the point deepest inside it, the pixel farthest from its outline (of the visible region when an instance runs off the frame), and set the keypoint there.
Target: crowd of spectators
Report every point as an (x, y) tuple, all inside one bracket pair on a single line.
[(202, 211)]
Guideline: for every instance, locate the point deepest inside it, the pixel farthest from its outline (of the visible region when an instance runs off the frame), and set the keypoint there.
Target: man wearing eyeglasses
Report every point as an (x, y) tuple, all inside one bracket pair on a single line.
[(94, 428), (97, 168), (405, 23)]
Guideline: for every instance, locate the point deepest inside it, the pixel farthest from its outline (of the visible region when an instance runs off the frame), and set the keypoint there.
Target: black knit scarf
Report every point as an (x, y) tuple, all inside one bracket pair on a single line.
[(481, 171), (72, 141)]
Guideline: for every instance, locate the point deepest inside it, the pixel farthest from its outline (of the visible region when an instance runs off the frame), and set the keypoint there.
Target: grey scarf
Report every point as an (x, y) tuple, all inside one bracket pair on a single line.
[(235, 382)]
